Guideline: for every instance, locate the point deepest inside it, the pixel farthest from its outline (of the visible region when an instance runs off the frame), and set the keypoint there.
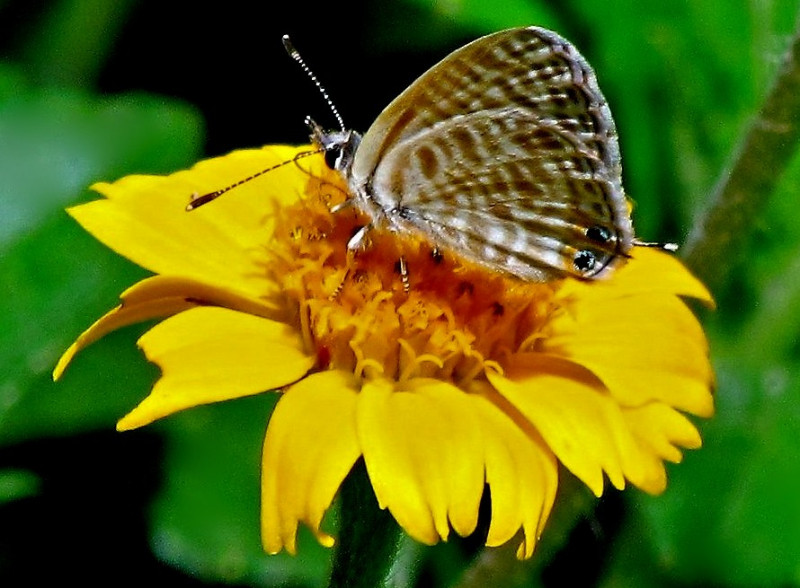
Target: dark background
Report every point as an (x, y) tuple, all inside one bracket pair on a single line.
[(94, 90)]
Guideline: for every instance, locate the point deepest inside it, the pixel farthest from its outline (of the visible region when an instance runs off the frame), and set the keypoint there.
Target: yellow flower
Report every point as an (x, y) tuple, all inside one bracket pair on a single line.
[(468, 379)]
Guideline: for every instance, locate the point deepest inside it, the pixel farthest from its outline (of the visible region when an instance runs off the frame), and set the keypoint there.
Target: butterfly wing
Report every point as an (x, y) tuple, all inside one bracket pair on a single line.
[(506, 153)]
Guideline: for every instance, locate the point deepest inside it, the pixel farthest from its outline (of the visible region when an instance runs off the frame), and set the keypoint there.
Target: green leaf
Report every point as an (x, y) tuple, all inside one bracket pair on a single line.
[(730, 515), (206, 519), (57, 142), (16, 484), (438, 24), (70, 44), (56, 279), (369, 537)]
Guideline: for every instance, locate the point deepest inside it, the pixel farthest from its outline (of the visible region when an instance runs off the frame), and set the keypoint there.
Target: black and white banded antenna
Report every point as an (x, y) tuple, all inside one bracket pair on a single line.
[(198, 200), (295, 54)]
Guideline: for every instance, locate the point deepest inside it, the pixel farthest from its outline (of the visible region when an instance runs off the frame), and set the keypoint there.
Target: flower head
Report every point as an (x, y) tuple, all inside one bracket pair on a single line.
[(446, 381)]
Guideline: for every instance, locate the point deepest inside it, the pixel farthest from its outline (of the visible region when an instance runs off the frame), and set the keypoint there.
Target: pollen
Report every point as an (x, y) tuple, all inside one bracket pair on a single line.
[(452, 320)]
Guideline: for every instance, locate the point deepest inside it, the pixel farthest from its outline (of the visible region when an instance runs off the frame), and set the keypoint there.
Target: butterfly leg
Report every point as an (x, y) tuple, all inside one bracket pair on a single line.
[(403, 266), (665, 246), (335, 294), (343, 205), (359, 241)]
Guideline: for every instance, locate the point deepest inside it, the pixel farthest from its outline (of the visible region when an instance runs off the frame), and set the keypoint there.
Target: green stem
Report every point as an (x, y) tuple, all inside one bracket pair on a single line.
[(499, 566), (721, 234), (369, 537), (775, 322)]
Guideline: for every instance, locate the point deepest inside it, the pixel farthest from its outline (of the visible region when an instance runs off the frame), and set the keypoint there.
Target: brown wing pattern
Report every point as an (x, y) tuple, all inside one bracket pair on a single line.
[(505, 152)]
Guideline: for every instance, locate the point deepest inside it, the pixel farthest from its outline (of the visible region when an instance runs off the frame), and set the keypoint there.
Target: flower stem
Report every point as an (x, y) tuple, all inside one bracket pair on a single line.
[(369, 537), (721, 234), (499, 566)]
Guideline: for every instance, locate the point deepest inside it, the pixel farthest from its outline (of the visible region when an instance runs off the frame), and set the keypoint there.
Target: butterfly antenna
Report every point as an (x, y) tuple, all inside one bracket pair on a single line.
[(199, 200), (295, 54)]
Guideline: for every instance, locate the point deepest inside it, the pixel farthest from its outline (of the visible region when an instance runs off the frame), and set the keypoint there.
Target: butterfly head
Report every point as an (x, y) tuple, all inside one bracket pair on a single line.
[(339, 146)]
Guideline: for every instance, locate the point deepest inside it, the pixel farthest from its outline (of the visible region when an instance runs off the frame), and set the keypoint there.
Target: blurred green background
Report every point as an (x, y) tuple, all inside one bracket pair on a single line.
[(94, 90)]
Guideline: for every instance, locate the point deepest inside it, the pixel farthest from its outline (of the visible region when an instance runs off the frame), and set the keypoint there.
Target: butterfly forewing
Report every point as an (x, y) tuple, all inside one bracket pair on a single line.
[(506, 153)]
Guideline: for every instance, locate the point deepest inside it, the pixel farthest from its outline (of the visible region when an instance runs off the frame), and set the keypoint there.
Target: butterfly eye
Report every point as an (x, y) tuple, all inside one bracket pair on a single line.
[(584, 261), (598, 234), (331, 157)]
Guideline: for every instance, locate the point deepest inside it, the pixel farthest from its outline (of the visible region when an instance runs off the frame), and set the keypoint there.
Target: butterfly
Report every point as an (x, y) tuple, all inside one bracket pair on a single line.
[(505, 153)]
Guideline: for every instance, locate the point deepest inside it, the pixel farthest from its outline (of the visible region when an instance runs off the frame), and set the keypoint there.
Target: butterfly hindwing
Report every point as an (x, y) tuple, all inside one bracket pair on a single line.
[(506, 153), (508, 190)]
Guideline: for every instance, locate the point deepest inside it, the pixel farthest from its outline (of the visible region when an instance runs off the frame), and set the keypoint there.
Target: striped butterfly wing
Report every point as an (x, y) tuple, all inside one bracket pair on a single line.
[(505, 153)]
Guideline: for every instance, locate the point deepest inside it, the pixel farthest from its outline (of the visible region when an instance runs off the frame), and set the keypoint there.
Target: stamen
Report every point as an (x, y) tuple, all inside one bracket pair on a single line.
[(494, 366), (476, 369), (456, 323), (305, 327), (414, 362), (366, 367)]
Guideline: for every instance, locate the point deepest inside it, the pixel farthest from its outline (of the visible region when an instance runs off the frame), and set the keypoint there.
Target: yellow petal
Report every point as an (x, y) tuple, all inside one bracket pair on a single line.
[(157, 297), (649, 348), (424, 454), (209, 354), (649, 271), (522, 474), (663, 431), (117, 318), (144, 219), (310, 447), (575, 416)]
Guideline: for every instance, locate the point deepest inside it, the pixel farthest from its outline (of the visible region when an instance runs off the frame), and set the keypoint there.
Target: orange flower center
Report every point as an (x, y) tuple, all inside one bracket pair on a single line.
[(452, 321)]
